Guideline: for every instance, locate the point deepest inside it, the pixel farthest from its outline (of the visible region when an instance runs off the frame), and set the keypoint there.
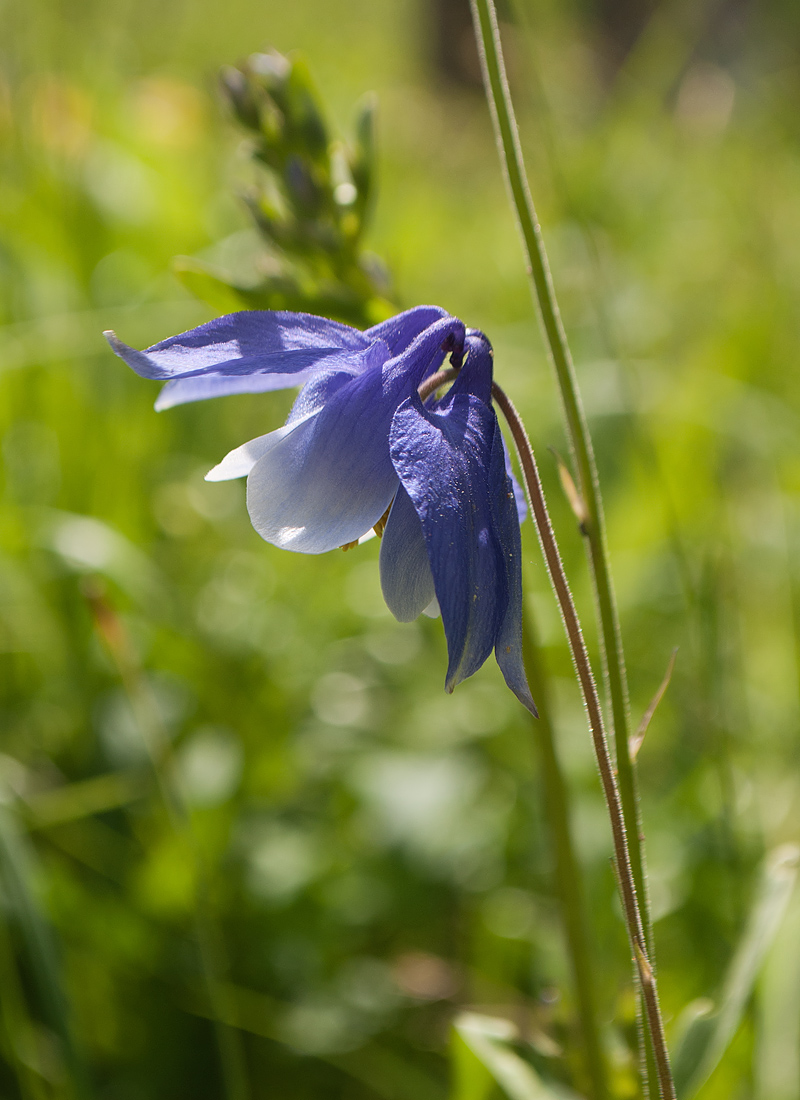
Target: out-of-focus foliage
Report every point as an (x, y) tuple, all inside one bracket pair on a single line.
[(311, 207), (372, 853)]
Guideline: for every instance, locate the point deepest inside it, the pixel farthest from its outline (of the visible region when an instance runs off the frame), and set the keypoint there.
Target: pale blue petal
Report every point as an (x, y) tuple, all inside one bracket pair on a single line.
[(330, 478), (313, 396), (239, 462), (406, 578), (319, 390), (180, 391), (248, 352)]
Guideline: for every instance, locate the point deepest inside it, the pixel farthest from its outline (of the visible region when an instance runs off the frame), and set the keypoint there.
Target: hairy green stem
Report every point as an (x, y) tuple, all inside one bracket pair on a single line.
[(567, 872), (627, 885), (508, 142)]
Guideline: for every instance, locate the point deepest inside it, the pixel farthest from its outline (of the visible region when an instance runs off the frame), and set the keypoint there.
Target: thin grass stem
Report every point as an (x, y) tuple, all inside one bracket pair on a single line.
[(15, 1023), (17, 878)]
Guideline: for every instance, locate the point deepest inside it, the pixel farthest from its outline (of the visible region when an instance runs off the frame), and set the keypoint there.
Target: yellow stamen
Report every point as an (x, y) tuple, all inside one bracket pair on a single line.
[(380, 525), (378, 529)]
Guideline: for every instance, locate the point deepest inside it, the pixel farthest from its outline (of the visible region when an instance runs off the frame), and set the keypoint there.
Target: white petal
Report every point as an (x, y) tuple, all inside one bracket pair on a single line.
[(239, 462)]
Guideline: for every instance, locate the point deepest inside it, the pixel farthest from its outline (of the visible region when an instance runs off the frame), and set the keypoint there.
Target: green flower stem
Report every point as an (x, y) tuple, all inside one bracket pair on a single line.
[(567, 872), (583, 668)]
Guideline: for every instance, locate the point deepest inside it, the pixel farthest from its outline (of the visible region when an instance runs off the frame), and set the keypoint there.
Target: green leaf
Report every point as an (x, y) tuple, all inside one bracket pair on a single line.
[(305, 110), (488, 1039), (362, 154), (704, 1036)]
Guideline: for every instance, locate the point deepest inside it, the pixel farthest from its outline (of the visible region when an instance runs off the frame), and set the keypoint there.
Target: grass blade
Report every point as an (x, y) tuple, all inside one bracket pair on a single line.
[(488, 1039), (705, 1037), (16, 1028), (638, 738), (17, 875)]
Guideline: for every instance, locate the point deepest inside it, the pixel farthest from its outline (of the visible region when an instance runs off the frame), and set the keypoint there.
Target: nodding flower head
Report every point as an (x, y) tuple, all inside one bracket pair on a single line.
[(361, 450)]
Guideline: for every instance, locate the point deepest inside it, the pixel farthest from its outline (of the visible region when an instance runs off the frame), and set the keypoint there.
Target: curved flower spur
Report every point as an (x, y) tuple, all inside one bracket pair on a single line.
[(361, 449)]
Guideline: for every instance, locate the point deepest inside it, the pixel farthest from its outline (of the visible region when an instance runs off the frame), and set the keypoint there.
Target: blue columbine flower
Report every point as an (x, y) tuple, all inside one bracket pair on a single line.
[(360, 449)]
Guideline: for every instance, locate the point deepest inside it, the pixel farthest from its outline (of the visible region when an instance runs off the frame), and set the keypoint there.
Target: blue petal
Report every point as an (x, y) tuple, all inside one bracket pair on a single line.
[(439, 459), (451, 462), (329, 477), (319, 390), (425, 353), (519, 493), (248, 352), (476, 375), (476, 378), (398, 332), (506, 511), (406, 578)]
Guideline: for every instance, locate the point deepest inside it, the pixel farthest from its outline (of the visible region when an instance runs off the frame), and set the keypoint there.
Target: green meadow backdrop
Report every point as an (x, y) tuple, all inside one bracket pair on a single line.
[(357, 856)]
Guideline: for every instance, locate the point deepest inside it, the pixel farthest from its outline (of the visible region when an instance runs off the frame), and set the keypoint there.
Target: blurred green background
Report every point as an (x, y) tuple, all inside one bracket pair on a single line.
[(366, 854)]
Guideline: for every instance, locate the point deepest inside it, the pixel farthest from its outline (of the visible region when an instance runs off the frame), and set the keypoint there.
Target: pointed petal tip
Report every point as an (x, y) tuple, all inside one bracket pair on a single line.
[(138, 361), (453, 678), (509, 658), (519, 687), (523, 695)]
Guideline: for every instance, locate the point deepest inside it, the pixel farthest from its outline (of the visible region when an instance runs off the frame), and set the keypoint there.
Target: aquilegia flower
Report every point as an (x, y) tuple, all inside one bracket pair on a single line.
[(361, 450)]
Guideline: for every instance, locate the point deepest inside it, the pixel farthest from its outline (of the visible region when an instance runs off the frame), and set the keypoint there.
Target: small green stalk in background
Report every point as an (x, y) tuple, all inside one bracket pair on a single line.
[(210, 944), (567, 872)]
